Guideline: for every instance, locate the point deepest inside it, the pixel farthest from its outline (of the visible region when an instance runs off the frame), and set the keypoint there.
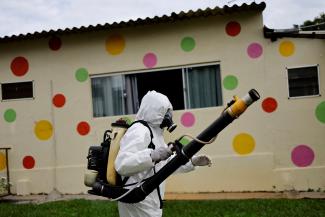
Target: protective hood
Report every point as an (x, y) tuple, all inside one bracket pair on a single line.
[(153, 108)]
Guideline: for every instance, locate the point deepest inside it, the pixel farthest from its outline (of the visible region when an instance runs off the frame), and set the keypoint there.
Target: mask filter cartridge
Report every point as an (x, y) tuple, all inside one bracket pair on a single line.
[(168, 121)]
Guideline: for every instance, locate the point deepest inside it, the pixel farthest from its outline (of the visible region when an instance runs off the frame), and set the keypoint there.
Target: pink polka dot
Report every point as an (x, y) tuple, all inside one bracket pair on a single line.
[(254, 50), (150, 60), (302, 156), (188, 119)]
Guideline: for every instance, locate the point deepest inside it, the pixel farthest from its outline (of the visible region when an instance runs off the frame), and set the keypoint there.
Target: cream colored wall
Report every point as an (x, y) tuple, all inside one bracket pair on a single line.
[(295, 121), (60, 161)]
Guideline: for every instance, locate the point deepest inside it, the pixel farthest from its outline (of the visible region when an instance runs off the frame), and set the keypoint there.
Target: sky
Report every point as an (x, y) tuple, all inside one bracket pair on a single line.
[(29, 16)]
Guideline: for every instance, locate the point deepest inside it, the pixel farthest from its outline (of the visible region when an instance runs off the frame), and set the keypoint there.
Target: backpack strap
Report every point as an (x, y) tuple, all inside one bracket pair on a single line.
[(151, 145)]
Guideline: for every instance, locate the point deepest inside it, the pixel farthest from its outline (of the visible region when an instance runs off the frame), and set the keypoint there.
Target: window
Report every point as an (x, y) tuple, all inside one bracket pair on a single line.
[(203, 87), (303, 81), (18, 90), (191, 87), (107, 94)]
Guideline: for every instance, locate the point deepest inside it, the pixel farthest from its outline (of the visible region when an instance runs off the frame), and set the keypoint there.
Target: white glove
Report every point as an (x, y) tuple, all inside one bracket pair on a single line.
[(160, 153), (201, 160)]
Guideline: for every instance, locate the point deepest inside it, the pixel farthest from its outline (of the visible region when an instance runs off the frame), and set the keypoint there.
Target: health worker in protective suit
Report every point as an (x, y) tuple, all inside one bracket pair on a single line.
[(137, 160)]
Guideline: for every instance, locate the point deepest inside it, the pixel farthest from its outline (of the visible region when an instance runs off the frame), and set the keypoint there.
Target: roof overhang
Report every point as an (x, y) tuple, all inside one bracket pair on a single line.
[(140, 22)]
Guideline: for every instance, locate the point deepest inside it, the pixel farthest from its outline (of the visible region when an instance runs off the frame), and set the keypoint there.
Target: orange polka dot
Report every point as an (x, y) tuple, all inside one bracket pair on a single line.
[(286, 48), (243, 144), (115, 44), (43, 130), (3, 164)]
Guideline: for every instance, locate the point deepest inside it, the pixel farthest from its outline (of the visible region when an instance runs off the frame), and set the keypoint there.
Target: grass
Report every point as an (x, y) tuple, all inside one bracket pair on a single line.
[(216, 208)]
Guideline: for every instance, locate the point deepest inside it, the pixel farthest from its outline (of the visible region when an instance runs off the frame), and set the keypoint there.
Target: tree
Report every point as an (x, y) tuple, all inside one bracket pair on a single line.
[(317, 24)]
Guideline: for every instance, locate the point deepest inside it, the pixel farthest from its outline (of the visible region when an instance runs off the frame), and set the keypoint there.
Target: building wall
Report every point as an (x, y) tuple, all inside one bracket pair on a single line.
[(50, 135)]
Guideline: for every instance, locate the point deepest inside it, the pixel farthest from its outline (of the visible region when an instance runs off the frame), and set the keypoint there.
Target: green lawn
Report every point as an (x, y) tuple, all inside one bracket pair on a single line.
[(225, 208)]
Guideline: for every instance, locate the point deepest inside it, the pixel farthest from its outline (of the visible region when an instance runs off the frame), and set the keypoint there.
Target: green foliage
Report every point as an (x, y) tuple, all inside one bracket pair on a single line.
[(317, 24), (3, 186), (215, 208)]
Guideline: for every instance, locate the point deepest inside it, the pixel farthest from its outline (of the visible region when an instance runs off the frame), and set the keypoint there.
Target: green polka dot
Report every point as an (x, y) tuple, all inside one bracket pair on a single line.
[(184, 141), (10, 115), (230, 82), (188, 44), (320, 112), (82, 74)]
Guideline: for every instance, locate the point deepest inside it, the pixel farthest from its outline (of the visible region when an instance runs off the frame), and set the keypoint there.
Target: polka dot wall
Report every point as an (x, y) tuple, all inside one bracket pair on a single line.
[(43, 130), (243, 143)]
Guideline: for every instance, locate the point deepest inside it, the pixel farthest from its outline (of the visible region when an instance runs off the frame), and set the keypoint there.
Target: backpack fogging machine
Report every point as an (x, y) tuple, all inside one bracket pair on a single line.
[(104, 183)]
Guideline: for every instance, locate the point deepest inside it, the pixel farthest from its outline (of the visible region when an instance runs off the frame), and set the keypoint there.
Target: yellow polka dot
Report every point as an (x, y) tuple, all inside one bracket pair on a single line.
[(286, 48), (43, 130), (115, 44), (243, 143), (2, 161)]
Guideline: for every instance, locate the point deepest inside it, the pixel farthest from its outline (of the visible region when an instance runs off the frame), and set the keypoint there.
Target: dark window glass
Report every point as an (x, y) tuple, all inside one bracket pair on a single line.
[(169, 83), (17, 90), (303, 81)]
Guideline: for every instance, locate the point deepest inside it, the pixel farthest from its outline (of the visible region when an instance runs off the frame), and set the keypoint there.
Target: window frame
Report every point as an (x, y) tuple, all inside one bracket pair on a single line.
[(17, 99), (183, 68), (318, 78)]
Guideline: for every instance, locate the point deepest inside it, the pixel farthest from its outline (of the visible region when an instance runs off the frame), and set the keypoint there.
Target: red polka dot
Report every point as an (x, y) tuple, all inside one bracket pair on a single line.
[(28, 162), (59, 100), (269, 104), (19, 66), (83, 128), (55, 43), (233, 28)]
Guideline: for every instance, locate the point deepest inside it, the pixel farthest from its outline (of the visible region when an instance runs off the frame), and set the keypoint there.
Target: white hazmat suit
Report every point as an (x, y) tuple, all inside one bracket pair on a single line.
[(134, 159)]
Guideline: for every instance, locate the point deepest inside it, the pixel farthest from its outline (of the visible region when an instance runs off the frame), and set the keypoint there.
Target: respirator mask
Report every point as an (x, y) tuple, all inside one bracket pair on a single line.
[(168, 121)]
